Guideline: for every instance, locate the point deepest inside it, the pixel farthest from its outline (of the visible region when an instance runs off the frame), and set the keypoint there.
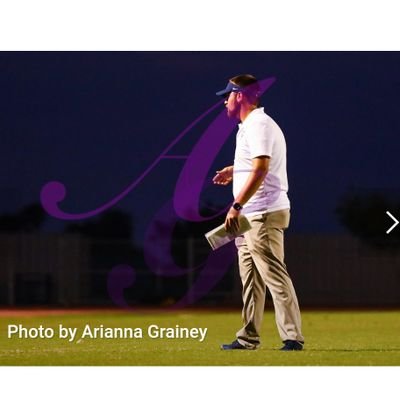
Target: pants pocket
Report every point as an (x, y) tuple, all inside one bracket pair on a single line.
[(277, 219)]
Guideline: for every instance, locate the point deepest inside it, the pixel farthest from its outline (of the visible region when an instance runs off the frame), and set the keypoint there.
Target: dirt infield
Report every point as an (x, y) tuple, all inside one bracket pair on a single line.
[(38, 312), (43, 311)]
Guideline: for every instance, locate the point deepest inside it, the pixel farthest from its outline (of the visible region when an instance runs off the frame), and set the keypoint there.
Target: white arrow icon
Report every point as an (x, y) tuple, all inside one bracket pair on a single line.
[(395, 222)]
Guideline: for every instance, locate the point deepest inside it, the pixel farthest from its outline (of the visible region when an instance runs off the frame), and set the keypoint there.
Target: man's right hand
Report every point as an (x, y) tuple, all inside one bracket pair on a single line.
[(224, 177)]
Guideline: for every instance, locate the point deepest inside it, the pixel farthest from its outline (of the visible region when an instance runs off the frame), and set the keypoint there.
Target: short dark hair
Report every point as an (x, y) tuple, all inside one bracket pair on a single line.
[(251, 83)]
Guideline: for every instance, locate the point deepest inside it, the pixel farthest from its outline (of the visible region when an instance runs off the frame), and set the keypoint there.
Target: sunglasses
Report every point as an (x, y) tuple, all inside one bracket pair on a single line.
[(226, 95)]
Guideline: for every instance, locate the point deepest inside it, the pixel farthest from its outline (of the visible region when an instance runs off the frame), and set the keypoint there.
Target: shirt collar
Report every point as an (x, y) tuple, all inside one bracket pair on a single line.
[(255, 112)]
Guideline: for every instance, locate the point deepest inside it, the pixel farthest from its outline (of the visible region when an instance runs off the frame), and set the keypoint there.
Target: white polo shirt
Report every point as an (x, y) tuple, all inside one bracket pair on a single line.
[(260, 135)]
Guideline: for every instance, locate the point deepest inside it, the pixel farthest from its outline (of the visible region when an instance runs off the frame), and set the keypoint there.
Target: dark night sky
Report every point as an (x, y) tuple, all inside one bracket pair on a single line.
[(95, 121)]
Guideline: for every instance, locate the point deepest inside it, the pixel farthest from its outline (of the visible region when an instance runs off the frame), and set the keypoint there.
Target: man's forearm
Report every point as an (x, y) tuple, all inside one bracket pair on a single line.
[(254, 180)]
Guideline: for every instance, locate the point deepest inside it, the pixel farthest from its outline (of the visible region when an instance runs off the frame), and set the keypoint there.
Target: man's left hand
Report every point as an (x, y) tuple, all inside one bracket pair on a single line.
[(232, 221)]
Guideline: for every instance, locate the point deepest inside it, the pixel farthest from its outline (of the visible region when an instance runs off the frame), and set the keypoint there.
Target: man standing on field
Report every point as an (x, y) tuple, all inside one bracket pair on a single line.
[(260, 192)]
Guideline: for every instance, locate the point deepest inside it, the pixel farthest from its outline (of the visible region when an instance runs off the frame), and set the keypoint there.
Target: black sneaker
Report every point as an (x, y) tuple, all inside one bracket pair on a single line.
[(235, 345), (292, 345)]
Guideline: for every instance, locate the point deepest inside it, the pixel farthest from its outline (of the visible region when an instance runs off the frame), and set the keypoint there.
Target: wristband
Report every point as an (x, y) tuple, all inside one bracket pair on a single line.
[(237, 206)]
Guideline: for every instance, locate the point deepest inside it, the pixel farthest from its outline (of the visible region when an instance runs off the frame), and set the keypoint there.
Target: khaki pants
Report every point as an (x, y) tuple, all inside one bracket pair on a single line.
[(261, 265)]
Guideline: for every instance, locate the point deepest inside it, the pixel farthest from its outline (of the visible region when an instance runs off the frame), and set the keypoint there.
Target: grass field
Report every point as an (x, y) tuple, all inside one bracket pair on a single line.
[(333, 338)]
